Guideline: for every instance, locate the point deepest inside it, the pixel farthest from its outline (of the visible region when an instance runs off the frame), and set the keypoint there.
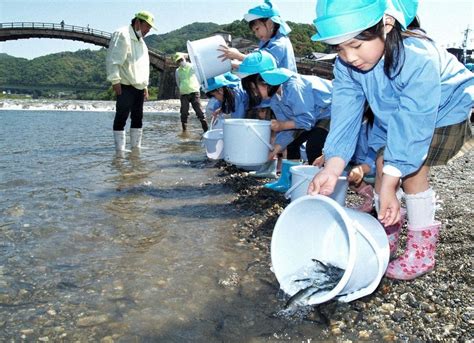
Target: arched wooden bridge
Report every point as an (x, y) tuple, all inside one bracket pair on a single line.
[(25, 30), (13, 31)]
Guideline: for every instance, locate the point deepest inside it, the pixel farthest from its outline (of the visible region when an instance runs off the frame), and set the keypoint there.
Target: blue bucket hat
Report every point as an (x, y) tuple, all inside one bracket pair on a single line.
[(263, 63), (404, 11), (270, 11), (338, 21), (227, 79)]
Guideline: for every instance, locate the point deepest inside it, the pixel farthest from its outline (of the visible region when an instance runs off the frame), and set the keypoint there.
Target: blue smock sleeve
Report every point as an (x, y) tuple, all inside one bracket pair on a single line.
[(347, 107), (299, 103)]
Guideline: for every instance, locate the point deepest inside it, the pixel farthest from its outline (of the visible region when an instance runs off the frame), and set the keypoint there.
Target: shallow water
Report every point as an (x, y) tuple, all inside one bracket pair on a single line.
[(140, 247)]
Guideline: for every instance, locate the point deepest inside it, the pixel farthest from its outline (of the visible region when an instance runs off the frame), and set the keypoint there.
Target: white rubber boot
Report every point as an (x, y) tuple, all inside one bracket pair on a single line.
[(136, 138), (119, 138)]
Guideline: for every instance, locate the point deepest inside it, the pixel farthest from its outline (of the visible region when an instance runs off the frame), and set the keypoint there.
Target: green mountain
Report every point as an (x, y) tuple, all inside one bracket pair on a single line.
[(81, 74)]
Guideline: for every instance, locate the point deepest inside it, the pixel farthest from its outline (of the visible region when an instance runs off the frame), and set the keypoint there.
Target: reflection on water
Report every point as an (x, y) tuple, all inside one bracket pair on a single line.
[(139, 247)]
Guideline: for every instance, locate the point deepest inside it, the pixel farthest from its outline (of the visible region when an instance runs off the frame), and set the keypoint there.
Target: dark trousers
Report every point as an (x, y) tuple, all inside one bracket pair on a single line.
[(314, 144), (129, 102), (195, 100)]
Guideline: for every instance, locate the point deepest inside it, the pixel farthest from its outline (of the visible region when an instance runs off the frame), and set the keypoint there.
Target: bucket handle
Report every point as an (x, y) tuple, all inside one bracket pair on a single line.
[(369, 289), (269, 146), (292, 188), (305, 178)]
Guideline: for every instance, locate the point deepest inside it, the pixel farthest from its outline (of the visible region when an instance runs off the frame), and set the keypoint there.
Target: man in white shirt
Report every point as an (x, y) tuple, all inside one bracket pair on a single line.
[(128, 69)]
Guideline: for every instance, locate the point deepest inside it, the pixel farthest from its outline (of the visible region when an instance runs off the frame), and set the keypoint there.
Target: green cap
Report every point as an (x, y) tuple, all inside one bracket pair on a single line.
[(146, 16), (179, 56)]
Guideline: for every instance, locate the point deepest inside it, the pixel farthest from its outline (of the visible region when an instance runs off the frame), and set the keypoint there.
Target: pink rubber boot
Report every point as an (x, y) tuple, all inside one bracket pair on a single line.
[(367, 192), (419, 256), (393, 233)]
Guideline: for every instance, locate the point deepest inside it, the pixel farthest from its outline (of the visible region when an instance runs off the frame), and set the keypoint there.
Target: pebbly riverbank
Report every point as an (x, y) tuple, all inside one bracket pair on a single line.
[(435, 307)]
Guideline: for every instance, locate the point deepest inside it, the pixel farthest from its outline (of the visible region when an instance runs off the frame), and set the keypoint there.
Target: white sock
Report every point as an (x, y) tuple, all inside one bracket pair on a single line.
[(421, 208)]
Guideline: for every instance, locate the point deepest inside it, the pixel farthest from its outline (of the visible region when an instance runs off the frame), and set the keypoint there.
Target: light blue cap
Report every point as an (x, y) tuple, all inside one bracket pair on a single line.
[(257, 62), (339, 20), (227, 79), (404, 11), (270, 11), (263, 63)]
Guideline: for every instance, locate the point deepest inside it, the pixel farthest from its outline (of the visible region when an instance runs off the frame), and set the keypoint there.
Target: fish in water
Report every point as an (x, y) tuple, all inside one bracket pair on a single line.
[(325, 277)]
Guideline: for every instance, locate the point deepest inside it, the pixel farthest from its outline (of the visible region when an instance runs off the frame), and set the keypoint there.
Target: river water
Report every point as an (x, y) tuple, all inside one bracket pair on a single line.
[(135, 248)]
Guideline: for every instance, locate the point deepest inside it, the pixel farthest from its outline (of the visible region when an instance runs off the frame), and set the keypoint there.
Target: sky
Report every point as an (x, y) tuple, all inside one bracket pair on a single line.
[(444, 20)]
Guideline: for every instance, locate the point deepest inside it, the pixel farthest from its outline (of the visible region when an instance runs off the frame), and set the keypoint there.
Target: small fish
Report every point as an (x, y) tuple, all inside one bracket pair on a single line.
[(324, 278)]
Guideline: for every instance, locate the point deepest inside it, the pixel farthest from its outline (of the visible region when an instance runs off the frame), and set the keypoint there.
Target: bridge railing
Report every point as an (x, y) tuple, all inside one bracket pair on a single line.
[(54, 26)]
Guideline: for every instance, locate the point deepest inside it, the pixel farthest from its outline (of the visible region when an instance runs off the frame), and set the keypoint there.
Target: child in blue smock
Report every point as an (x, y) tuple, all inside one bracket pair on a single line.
[(300, 103), (421, 97), (272, 31), (230, 97)]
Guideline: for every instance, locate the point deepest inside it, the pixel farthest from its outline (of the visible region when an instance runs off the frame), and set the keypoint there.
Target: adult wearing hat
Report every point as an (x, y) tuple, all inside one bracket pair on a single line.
[(189, 91), (128, 69)]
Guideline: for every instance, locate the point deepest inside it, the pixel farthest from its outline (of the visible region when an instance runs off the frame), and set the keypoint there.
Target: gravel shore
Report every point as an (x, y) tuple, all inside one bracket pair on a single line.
[(435, 307)]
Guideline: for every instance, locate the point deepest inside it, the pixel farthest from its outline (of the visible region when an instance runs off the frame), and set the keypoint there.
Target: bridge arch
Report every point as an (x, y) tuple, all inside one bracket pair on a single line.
[(25, 30)]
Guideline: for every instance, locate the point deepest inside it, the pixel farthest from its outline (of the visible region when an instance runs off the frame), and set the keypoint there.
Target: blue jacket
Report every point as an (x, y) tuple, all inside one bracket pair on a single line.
[(241, 102), (432, 90), (304, 99), (281, 49)]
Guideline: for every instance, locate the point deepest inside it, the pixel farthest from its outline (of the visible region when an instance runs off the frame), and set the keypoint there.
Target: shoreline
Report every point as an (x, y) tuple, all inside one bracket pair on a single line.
[(170, 105)]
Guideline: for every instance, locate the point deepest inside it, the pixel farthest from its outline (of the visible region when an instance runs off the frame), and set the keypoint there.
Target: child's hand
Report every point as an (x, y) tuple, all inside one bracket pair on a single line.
[(323, 183), (229, 53), (319, 162), (356, 175), (389, 213), (276, 150)]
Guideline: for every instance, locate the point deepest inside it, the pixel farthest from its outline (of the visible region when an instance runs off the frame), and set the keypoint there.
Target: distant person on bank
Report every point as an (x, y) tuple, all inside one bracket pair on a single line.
[(128, 69), (189, 90)]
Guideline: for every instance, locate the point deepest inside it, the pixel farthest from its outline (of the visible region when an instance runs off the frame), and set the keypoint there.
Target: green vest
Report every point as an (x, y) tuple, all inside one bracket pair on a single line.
[(188, 82)]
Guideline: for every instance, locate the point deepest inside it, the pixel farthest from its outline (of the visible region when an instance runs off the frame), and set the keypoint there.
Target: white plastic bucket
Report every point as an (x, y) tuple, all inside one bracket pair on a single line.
[(317, 227), (246, 141), (301, 176), (214, 142), (205, 58)]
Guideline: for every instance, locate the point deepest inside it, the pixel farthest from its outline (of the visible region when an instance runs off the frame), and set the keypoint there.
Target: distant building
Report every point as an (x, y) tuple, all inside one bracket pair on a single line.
[(459, 53)]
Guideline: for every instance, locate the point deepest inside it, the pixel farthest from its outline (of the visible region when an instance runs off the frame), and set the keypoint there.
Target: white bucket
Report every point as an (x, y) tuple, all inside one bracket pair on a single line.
[(246, 141), (205, 58), (301, 176), (214, 142), (316, 227)]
